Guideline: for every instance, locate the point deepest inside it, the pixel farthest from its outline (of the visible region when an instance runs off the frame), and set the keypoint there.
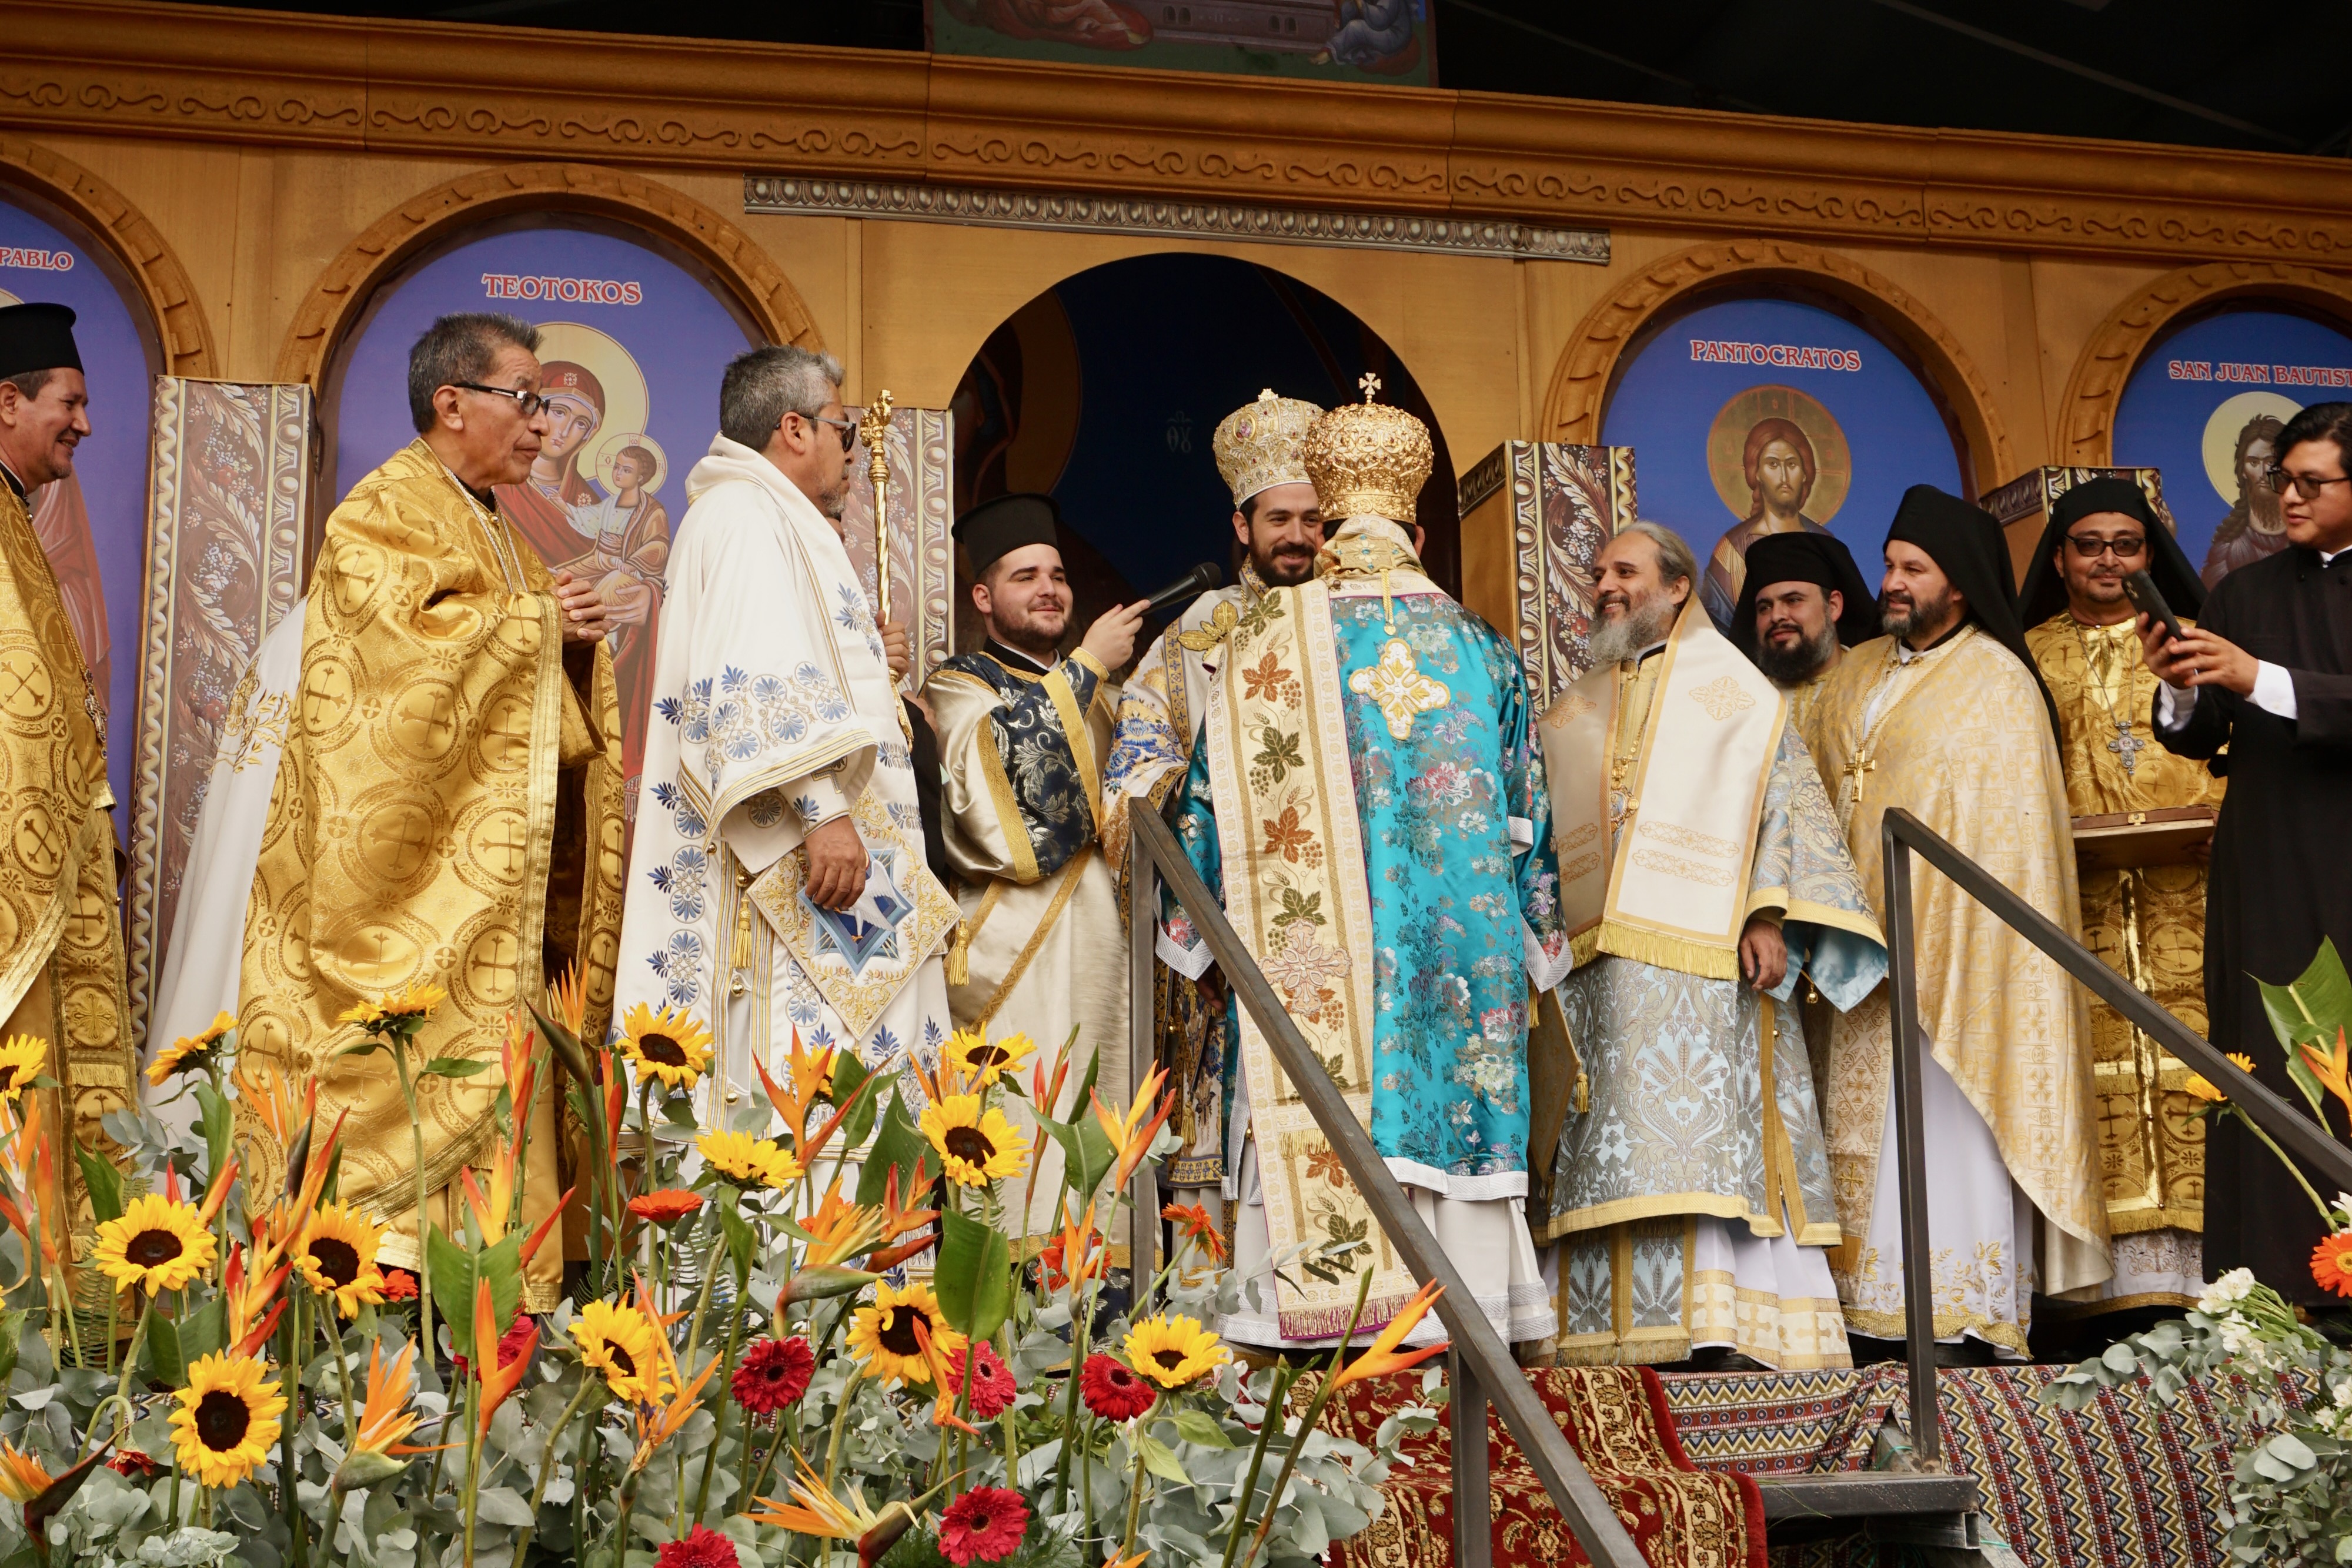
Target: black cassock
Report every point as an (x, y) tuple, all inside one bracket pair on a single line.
[(2282, 877)]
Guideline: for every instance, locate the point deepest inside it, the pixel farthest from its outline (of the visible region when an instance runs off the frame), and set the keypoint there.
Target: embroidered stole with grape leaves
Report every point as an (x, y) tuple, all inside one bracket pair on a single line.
[(1276, 738)]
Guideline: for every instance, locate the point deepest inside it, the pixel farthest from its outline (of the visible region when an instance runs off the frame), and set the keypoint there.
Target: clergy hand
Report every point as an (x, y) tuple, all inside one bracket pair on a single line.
[(894, 649), (1763, 954), (1111, 639), (2199, 658), (836, 865), (583, 611)]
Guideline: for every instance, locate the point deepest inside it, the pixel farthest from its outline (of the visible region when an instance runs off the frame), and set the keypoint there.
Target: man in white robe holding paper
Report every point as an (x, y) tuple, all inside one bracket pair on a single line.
[(1701, 872), (777, 883)]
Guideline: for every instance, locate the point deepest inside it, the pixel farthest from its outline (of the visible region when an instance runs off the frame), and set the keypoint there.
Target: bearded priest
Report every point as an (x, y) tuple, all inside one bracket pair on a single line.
[(1260, 453), (446, 810), (1945, 717), (777, 885), (1701, 872), (1367, 802)]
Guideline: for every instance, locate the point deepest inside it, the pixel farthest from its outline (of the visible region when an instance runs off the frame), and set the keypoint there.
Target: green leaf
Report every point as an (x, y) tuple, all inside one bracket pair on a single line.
[(897, 1146), (1160, 1459), (2313, 1007), (455, 1275), (742, 1245), (453, 1066), (1200, 1426), (1087, 1154), (679, 1112), (174, 1344), (852, 1078), (12, 1333), (103, 1182), (975, 1275), (218, 1122), (563, 1043), (364, 1048)]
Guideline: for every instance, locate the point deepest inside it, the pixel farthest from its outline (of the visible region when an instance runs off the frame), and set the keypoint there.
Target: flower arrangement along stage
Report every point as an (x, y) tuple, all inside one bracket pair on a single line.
[(2283, 1387), (743, 1371)]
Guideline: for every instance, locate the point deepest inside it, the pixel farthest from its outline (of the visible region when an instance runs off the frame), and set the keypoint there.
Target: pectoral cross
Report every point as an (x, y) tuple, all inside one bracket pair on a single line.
[(1858, 766), (2127, 746)]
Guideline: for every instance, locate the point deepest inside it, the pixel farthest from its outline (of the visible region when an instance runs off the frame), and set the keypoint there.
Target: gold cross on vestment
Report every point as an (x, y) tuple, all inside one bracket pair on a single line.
[(1371, 384), (1860, 765), (2127, 747)]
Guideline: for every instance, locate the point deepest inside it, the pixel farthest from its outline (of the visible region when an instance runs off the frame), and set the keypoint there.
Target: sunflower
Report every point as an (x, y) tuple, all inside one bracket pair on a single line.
[(156, 1243), (618, 1341), (190, 1053), (883, 1336), (227, 1419), (20, 1063), (754, 1162), (669, 1045), (1171, 1352), (981, 1062), (418, 1002), (337, 1256), (2205, 1089), (2331, 1263), (22, 1479), (978, 1147)]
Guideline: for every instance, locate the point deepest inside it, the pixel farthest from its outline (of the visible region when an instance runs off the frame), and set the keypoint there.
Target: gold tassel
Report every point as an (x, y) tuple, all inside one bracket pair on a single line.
[(741, 962), (959, 960)]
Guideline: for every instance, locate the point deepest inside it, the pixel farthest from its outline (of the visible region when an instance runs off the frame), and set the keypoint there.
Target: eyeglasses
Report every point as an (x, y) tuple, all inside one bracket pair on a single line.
[(2304, 485), (848, 428), (530, 402), (2092, 548)]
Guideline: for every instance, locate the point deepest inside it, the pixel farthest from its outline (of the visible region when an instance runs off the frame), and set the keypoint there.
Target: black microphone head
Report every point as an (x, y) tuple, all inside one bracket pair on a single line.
[(1199, 580)]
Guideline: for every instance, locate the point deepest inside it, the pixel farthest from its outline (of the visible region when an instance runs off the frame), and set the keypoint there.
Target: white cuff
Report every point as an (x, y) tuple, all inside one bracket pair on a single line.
[(2174, 704), (1523, 833), (1192, 962), (1545, 970), (817, 800), (2274, 689)]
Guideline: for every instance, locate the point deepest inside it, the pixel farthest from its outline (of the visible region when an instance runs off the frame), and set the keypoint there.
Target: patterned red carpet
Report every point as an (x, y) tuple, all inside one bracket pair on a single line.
[(1617, 1420)]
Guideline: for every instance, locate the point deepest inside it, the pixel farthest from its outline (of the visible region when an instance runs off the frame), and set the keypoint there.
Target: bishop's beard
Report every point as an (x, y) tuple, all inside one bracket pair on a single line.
[(1795, 666), (1644, 625)]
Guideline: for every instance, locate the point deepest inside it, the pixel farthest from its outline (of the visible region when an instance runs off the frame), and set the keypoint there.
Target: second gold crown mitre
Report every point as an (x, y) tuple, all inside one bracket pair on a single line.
[(1368, 460), (1257, 445)]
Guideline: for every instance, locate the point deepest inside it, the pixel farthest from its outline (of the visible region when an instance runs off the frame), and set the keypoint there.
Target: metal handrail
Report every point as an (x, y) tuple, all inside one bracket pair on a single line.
[(1480, 1367), (1903, 835)]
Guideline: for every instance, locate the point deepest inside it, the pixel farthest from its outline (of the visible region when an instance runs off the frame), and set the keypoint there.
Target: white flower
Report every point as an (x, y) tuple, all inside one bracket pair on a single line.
[(2234, 1286)]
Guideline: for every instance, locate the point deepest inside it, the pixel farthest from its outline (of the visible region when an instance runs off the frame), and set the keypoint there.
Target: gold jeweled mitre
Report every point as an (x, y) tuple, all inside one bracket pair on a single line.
[(1257, 445), (1366, 459)]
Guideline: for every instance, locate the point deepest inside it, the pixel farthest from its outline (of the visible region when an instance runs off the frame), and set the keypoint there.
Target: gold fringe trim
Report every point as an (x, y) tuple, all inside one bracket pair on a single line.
[(1684, 955)]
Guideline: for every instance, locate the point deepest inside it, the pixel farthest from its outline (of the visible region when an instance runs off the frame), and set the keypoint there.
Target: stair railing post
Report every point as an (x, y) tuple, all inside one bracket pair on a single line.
[(1910, 1150), (1143, 1234), (1473, 1498)]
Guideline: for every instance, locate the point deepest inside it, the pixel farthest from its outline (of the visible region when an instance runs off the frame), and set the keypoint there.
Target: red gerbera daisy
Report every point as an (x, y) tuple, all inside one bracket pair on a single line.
[(132, 1463), (520, 1335), (399, 1285), (984, 1525), (702, 1547), (1113, 1391), (667, 1206), (991, 1381), (773, 1374)]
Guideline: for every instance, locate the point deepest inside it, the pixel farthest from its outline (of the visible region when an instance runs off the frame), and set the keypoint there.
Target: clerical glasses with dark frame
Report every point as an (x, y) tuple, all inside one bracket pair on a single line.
[(2306, 486), (528, 402), (2091, 547), (848, 428)]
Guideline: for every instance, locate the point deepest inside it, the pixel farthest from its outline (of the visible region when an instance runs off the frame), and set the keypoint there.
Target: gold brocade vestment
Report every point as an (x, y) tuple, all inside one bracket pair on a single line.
[(2152, 1148), (60, 922), (448, 814)]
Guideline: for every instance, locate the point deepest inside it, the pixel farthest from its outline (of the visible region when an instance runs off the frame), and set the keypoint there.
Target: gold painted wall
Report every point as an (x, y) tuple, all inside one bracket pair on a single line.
[(260, 149)]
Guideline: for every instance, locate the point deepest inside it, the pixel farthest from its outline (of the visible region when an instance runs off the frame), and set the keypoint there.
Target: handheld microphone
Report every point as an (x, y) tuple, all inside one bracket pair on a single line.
[(1199, 580)]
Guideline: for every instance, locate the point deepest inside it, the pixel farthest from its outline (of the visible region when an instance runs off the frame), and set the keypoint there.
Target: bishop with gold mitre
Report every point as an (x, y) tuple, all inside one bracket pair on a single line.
[(1367, 800), (61, 925), (447, 809)]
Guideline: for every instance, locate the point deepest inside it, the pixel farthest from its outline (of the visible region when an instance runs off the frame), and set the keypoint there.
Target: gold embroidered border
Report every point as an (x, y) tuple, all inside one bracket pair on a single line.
[(1045, 923)]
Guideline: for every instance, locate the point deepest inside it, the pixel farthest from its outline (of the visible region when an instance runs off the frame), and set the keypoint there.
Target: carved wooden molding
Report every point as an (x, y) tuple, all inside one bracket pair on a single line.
[(1581, 379), (445, 90), (343, 289), (163, 283), (2086, 417)]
